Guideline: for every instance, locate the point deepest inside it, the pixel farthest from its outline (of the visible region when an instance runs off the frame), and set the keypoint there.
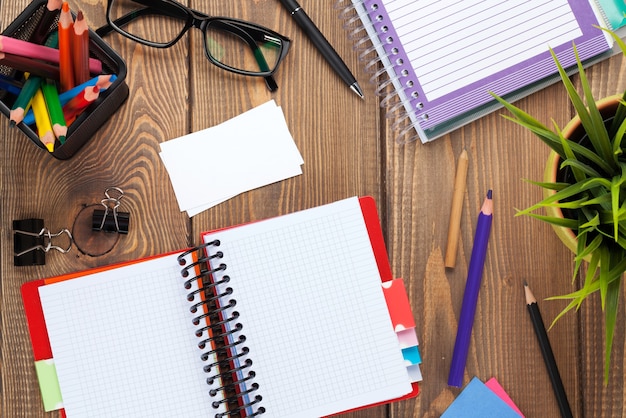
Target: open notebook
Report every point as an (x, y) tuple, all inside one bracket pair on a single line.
[(283, 317), (442, 58)]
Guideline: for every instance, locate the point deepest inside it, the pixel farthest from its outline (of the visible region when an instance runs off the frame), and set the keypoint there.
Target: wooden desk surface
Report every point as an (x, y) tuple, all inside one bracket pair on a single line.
[(348, 150)]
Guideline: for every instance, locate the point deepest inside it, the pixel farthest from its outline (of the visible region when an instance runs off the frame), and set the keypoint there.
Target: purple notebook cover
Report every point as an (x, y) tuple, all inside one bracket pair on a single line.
[(457, 103)]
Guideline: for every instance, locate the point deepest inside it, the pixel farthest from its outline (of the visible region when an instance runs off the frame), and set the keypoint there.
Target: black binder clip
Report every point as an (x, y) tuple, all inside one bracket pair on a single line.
[(31, 242), (109, 219)]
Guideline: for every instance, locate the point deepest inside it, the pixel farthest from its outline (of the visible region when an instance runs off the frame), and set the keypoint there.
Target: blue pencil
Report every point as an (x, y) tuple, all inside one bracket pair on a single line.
[(470, 298), (11, 85), (102, 81)]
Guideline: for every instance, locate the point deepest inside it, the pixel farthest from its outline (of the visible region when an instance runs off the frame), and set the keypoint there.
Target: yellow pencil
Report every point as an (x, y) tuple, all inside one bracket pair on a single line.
[(42, 119)]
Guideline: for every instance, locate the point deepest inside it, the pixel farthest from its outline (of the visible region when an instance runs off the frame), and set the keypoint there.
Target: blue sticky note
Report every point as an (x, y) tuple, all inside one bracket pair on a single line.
[(478, 401)]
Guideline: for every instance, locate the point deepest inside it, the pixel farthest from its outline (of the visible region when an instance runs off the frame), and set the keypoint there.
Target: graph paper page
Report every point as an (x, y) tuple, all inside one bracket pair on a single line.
[(123, 343), (310, 301)]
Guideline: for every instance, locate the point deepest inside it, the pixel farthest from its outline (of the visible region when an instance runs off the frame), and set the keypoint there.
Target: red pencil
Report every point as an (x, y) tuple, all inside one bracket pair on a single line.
[(66, 33), (80, 49), (75, 106)]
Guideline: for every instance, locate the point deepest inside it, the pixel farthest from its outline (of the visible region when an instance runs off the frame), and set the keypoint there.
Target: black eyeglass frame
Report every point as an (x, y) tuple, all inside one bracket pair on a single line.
[(247, 31)]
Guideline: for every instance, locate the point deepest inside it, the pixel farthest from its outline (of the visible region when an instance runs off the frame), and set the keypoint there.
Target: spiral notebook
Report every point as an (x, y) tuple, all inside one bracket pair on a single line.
[(436, 62), (282, 317)]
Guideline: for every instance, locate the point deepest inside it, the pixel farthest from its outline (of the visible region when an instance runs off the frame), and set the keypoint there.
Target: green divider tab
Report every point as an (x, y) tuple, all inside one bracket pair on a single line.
[(49, 385)]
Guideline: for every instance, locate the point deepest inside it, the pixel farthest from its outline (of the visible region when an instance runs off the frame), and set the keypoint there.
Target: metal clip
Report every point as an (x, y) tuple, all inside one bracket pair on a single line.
[(109, 219), (31, 240)]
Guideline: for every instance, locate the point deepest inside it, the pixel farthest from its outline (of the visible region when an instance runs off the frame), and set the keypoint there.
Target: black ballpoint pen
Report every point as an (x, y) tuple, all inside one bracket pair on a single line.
[(322, 44)]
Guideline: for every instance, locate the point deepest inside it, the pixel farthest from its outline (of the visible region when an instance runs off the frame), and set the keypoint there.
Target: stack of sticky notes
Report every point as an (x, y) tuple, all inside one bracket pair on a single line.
[(251, 150), (483, 400)]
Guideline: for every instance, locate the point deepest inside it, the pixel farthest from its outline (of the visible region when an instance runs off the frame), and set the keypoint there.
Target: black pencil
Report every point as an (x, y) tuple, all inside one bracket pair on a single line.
[(546, 351)]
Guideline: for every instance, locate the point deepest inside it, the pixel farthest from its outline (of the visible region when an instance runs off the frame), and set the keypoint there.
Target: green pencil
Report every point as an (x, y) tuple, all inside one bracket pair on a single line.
[(53, 103), (22, 102), (32, 84)]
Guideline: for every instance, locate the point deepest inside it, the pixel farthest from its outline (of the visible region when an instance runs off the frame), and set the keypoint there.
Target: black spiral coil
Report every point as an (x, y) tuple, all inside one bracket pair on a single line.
[(223, 342)]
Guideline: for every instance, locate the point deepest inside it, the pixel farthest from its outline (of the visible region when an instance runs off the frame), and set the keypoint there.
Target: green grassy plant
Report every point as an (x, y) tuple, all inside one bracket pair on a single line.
[(593, 197)]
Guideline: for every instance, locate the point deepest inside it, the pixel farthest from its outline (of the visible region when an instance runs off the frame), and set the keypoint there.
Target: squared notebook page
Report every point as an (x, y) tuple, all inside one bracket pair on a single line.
[(124, 344), (310, 300)]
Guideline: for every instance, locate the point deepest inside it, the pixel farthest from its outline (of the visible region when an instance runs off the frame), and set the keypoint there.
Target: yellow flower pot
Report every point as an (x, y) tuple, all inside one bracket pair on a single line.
[(575, 132)]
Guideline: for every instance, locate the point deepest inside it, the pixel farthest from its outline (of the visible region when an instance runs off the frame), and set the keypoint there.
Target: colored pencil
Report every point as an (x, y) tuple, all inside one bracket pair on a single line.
[(10, 84), (23, 100), (546, 352), (454, 224), (40, 52), (21, 104), (80, 49), (29, 65), (48, 17), (75, 106), (66, 33), (102, 81), (53, 104), (470, 297), (42, 118)]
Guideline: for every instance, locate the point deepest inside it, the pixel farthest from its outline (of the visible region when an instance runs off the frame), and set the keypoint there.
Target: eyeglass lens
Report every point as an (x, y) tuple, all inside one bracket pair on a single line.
[(230, 43)]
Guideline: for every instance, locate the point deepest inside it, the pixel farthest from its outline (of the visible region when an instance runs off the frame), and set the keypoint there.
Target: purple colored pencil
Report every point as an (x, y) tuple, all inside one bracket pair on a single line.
[(470, 298)]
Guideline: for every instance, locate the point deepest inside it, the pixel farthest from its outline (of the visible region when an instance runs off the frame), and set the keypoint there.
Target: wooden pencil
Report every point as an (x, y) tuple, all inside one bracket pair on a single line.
[(77, 104), (66, 33), (50, 13), (80, 49), (546, 352), (454, 224), (29, 65), (53, 104), (42, 118), (102, 81), (470, 296), (48, 52), (23, 100)]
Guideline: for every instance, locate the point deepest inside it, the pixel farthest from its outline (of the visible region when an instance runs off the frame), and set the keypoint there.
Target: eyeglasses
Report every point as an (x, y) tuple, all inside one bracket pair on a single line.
[(231, 44)]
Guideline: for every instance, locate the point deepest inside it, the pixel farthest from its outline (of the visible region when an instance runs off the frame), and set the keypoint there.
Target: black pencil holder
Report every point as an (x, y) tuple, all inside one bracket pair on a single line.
[(98, 112)]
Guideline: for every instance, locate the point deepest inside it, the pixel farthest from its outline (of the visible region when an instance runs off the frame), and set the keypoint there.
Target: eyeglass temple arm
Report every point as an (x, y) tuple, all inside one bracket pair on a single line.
[(258, 54), (151, 8), (124, 20)]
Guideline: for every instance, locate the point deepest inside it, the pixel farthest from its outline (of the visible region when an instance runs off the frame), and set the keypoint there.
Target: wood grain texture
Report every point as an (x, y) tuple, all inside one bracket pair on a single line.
[(349, 149)]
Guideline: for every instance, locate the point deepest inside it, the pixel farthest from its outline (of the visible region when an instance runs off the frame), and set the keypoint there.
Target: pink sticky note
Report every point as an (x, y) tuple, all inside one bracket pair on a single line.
[(496, 388)]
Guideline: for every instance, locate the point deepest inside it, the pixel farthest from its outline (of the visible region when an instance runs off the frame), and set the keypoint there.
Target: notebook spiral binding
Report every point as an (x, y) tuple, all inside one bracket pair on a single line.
[(222, 344), (393, 84)]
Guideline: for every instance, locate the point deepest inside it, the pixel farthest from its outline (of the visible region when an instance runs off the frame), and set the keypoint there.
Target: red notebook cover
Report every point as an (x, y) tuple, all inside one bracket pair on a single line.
[(39, 334)]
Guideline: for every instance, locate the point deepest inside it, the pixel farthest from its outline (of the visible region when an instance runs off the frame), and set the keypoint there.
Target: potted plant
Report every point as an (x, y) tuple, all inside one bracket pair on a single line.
[(585, 193)]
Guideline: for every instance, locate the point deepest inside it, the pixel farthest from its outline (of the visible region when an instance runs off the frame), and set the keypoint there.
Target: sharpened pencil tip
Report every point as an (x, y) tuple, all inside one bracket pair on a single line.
[(12, 124), (489, 194), (530, 297)]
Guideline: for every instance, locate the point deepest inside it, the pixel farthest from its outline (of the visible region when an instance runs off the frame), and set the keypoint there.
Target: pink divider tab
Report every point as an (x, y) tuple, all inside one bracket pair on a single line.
[(398, 304), (407, 338)]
